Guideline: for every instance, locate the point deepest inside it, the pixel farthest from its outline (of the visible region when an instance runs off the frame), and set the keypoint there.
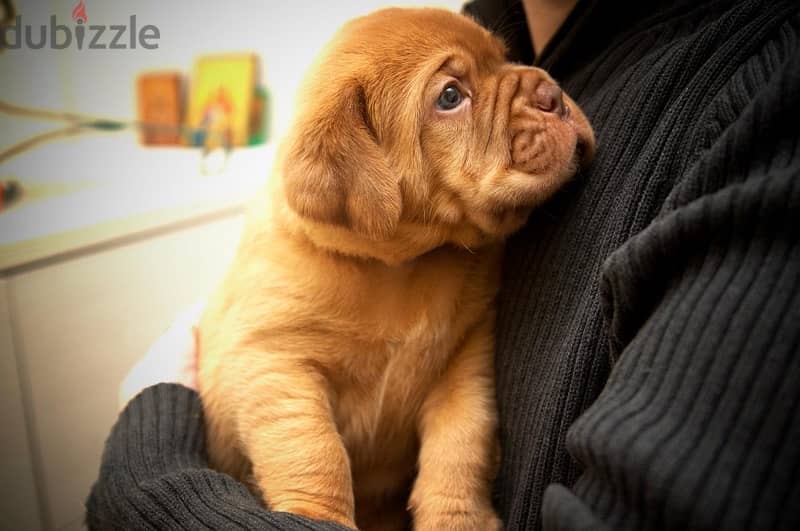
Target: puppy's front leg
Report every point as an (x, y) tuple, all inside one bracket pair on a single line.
[(299, 461), (458, 435)]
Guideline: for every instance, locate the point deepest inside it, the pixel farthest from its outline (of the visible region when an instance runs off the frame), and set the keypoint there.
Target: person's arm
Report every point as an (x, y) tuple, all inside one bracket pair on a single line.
[(154, 474), (698, 426)]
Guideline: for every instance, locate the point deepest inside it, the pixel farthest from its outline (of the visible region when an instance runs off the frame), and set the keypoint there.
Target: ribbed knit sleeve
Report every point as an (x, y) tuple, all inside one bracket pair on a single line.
[(154, 474), (699, 424)]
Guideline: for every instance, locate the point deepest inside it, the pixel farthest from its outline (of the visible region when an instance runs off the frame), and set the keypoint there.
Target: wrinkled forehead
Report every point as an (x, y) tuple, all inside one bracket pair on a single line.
[(403, 43)]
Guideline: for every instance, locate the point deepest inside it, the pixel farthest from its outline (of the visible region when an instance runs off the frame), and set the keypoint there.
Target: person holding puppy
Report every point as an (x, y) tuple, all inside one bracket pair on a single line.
[(647, 332)]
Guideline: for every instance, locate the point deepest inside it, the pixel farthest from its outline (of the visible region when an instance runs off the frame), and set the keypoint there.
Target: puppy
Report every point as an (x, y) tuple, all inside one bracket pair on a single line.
[(347, 359)]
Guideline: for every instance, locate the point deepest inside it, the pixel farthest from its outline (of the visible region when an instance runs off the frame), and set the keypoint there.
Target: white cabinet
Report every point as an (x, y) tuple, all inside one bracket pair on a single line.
[(79, 324)]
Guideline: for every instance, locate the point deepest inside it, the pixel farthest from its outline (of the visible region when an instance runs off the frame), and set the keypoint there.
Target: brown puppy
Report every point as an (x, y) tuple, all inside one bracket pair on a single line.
[(347, 359)]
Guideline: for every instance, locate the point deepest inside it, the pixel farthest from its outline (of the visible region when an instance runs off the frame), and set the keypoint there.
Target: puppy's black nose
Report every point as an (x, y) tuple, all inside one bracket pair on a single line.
[(549, 98)]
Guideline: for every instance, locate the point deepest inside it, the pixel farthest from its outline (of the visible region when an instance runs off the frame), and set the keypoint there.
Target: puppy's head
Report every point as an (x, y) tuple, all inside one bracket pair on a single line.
[(414, 131)]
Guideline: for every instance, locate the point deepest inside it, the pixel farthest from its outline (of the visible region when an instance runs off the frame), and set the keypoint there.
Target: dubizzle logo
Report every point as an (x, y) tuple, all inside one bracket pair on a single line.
[(82, 35)]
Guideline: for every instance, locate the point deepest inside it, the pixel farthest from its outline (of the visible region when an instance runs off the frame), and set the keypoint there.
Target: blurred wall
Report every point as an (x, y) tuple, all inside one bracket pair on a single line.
[(285, 34)]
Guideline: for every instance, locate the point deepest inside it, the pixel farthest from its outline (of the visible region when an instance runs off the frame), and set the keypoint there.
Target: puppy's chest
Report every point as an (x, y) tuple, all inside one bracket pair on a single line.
[(414, 334), (378, 399)]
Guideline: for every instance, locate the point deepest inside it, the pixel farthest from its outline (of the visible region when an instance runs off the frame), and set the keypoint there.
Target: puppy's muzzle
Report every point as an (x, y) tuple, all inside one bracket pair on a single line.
[(545, 126)]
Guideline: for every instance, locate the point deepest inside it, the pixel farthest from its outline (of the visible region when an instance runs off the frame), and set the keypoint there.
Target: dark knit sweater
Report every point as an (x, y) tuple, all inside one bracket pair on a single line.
[(648, 342)]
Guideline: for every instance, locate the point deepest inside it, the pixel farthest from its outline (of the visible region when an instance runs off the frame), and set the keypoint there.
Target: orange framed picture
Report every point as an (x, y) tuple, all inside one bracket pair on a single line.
[(159, 98)]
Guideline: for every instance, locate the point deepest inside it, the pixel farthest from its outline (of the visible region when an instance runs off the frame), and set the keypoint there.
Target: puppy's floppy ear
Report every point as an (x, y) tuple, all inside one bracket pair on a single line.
[(335, 171)]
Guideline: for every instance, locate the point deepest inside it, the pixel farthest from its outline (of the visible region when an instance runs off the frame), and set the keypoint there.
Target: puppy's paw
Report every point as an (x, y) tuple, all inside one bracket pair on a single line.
[(457, 517), (320, 513), (325, 508), (475, 521)]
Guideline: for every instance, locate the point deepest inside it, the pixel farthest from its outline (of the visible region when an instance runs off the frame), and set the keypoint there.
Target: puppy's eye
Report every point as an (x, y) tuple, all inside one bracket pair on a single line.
[(450, 98)]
